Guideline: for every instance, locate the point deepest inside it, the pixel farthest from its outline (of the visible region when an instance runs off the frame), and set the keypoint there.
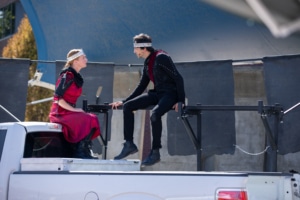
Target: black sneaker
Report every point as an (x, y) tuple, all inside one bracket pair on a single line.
[(129, 148), (152, 158), (83, 151)]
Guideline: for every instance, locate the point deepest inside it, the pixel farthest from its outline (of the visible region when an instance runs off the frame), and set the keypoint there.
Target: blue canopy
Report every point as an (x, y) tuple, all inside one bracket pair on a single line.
[(188, 30)]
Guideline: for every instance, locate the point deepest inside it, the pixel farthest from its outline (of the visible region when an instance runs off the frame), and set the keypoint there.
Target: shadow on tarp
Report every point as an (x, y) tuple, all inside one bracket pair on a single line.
[(13, 88), (95, 75), (207, 83), (282, 83)]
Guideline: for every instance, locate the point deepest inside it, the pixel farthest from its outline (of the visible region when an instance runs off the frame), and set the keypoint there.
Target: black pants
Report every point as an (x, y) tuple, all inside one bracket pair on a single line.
[(163, 103)]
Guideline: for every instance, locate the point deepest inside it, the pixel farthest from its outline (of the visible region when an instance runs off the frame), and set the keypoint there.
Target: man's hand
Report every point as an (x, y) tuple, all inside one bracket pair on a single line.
[(116, 104), (175, 107)]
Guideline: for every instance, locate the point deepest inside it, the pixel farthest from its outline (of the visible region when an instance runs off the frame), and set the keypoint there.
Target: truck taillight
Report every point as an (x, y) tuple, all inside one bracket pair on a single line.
[(231, 194)]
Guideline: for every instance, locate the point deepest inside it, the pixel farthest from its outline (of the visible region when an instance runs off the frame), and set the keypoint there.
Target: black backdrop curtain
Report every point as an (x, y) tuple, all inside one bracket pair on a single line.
[(207, 83), (282, 84), (13, 88)]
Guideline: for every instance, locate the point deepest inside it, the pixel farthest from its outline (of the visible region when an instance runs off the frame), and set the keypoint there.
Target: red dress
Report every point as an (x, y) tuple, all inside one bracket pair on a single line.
[(75, 125)]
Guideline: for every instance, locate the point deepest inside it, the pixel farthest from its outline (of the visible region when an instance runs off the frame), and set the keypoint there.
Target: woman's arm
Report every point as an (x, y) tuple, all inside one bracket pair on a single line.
[(65, 105)]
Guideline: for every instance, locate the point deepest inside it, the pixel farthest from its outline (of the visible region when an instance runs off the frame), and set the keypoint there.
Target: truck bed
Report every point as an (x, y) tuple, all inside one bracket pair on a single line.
[(74, 164)]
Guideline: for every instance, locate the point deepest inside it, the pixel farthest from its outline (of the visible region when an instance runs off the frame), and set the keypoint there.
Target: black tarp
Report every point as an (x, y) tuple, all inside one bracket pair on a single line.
[(95, 75), (282, 84), (207, 83), (13, 88)]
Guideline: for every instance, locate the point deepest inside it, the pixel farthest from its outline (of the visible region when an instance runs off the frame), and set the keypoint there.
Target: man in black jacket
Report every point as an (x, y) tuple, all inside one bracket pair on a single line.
[(167, 93)]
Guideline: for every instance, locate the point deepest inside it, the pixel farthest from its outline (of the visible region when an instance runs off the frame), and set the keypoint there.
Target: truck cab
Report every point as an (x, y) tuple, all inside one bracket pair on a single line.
[(40, 147), (41, 140)]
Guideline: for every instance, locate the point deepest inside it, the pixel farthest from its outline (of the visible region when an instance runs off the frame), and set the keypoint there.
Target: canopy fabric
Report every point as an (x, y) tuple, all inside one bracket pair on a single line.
[(189, 31)]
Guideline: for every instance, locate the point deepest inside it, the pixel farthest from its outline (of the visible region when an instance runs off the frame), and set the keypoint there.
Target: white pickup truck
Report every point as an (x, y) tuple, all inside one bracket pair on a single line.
[(35, 165)]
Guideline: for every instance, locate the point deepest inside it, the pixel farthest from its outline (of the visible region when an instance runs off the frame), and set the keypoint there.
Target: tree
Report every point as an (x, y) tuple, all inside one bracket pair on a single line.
[(22, 45)]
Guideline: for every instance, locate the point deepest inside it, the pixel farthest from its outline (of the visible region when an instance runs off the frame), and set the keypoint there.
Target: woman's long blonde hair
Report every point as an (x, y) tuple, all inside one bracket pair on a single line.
[(71, 53)]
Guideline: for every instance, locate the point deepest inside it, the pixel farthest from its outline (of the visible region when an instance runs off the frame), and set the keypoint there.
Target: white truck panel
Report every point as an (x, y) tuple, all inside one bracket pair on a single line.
[(11, 155), (269, 187), (125, 185), (74, 164)]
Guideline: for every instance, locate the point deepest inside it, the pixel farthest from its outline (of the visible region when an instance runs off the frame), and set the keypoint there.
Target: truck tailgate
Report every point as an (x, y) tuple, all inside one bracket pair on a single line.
[(62, 185)]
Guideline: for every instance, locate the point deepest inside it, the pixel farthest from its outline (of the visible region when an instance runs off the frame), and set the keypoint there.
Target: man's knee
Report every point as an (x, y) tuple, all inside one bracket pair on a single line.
[(155, 117), (128, 107)]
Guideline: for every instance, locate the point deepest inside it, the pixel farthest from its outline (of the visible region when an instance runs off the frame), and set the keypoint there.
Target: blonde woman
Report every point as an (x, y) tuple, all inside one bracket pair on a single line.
[(78, 127)]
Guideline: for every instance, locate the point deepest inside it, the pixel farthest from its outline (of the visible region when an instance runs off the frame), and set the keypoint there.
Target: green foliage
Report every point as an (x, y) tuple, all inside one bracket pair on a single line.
[(22, 45), (6, 20)]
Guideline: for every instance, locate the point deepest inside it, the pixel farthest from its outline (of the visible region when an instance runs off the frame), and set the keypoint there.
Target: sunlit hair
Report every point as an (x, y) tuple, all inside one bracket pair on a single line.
[(70, 54)]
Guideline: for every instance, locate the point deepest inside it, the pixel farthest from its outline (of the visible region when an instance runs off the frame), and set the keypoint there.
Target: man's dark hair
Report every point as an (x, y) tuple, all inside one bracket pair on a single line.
[(143, 38)]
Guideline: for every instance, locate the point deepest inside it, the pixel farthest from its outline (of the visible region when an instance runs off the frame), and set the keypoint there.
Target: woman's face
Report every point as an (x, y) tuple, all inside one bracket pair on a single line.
[(82, 60)]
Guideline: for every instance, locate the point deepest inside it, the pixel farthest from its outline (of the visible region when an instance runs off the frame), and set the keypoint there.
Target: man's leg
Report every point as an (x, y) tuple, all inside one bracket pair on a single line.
[(164, 105), (140, 102)]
